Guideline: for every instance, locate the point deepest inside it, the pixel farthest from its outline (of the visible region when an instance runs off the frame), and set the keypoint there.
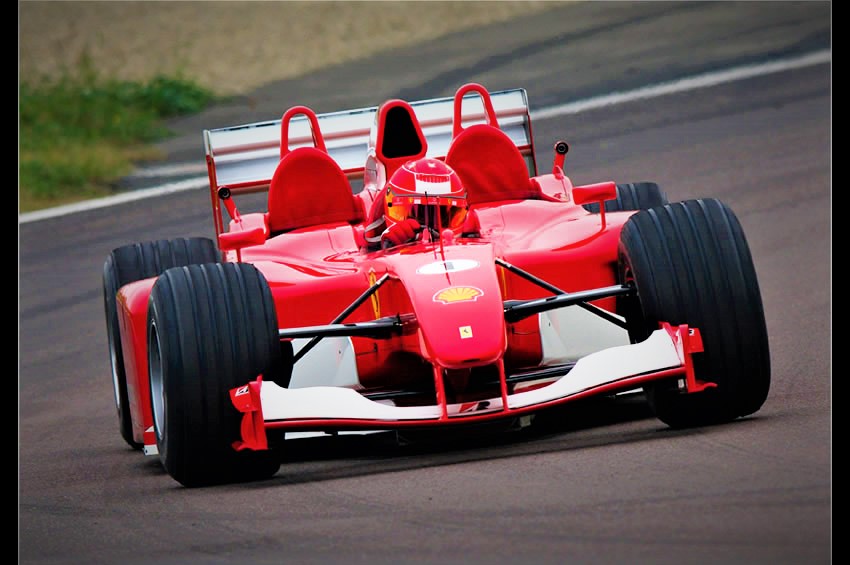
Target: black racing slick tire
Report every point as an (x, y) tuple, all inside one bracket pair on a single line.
[(690, 263), (131, 263), (632, 196), (211, 328)]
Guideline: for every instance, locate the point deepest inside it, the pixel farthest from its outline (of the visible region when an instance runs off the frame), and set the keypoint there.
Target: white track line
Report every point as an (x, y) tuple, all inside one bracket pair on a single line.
[(663, 89), (685, 84)]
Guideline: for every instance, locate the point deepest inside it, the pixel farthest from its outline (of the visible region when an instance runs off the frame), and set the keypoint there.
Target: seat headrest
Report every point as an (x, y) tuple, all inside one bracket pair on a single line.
[(490, 166), (309, 188)]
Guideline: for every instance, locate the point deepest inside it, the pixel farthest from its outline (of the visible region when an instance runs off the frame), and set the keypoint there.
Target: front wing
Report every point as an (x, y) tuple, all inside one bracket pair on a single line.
[(664, 354)]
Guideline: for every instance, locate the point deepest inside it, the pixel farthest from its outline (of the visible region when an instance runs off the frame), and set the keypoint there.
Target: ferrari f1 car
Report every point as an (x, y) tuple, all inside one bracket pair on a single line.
[(286, 325)]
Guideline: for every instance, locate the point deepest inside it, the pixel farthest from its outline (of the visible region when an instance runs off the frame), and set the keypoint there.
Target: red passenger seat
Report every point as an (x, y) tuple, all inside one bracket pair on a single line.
[(488, 161), (308, 187)]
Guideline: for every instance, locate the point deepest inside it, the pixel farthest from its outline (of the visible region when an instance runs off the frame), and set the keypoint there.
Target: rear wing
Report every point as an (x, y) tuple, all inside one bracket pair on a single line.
[(243, 158)]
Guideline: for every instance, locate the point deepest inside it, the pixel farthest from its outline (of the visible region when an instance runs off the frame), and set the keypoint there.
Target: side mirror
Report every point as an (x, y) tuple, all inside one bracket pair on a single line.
[(250, 229), (598, 192)]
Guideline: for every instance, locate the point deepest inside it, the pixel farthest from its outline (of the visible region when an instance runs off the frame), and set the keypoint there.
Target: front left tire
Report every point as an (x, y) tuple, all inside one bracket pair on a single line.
[(211, 328)]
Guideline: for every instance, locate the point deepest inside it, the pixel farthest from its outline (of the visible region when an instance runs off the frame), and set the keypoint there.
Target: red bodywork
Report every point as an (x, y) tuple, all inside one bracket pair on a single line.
[(456, 314)]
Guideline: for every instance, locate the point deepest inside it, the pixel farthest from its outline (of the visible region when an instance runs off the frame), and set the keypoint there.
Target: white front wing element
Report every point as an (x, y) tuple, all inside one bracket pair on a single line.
[(331, 363), (568, 334), (658, 352)]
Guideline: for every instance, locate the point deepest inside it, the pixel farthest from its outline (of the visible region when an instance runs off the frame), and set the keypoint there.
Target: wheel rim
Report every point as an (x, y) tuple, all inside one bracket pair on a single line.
[(113, 359), (113, 364), (157, 384)]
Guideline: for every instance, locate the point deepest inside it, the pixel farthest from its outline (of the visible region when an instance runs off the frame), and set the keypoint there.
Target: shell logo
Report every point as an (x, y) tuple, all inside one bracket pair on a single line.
[(458, 294)]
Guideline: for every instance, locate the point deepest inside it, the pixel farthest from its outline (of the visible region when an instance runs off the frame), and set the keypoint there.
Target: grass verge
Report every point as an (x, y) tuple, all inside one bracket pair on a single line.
[(82, 132)]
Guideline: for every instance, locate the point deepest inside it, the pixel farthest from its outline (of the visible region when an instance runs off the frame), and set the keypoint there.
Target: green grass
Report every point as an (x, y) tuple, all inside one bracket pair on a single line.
[(81, 132)]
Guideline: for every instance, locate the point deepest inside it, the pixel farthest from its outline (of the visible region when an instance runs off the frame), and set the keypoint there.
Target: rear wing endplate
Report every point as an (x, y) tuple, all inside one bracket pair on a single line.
[(243, 158)]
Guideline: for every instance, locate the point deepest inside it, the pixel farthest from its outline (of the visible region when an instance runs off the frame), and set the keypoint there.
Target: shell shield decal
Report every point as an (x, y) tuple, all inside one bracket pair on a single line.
[(454, 294)]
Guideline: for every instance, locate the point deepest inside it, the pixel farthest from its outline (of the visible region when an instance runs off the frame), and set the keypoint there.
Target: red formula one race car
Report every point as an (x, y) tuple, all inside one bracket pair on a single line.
[(409, 268)]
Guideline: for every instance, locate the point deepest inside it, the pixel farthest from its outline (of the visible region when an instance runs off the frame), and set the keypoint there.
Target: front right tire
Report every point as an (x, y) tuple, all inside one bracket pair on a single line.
[(690, 264)]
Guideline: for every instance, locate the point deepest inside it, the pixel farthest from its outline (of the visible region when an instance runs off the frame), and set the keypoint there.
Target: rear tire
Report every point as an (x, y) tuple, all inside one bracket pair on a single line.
[(632, 196), (132, 263), (211, 328), (690, 263)]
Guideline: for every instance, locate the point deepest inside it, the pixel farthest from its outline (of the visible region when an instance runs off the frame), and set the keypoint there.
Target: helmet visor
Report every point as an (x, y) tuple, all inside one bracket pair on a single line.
[(435, 212)]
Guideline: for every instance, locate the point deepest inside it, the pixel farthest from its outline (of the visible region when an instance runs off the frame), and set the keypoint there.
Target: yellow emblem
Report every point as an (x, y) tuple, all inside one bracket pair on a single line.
[(457, 294), (465, 332)]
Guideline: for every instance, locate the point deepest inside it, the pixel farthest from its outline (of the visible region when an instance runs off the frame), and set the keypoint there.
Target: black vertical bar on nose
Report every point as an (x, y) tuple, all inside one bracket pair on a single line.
[(344, 314)]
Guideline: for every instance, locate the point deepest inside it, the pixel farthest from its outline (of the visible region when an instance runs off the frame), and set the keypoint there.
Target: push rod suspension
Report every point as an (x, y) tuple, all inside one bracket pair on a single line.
[(601, 312)]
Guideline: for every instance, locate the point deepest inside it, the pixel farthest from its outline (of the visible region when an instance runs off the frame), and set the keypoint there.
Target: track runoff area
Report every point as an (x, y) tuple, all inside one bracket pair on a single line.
[(686, 84)]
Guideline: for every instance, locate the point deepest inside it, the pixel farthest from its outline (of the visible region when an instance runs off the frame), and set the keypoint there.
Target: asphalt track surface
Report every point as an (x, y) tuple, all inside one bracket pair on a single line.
[(601, 482)]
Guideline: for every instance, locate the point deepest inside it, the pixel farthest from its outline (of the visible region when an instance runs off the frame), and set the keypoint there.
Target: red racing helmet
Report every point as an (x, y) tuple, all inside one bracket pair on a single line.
[(429, 191)]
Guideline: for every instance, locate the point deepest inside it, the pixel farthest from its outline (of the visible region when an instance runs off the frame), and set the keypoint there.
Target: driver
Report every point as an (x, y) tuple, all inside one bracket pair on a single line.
[(421, 194)]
